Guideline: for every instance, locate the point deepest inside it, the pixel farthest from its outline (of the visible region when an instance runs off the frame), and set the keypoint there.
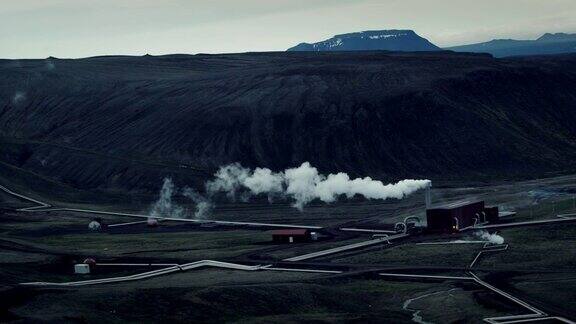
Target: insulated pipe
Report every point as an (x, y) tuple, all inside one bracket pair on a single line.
[(456, 224), (400, 227), (414, 218)]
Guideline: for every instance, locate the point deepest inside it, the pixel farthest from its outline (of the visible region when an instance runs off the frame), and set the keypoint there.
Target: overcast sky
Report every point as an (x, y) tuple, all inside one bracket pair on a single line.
[(80, 28)]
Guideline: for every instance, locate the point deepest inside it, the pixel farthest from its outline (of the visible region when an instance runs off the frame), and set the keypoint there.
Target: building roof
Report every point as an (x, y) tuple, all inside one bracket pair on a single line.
[(295, 231), (456, 204)]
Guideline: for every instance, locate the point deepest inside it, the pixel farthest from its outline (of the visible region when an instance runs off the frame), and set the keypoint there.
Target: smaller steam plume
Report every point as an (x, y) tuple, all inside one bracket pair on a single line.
[(18, 97), (165, 206), (492, 238), (203, 205)]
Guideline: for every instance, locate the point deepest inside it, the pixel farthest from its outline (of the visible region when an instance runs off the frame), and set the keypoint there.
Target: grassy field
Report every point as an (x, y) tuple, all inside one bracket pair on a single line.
[(546, 246), (457, 255), (553, 289), (192, 246), (10, 202), (288, 251), (233, 296)]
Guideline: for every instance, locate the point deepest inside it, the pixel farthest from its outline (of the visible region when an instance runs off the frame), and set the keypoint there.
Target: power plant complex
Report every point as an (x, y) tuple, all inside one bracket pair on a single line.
[(456, 216)]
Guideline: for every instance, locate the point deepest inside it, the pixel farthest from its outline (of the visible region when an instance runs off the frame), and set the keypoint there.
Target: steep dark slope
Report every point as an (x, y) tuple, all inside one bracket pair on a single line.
[(371, 113)]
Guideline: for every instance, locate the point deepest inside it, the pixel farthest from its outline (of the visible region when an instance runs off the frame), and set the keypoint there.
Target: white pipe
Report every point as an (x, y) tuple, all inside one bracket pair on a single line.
[(348, 229)]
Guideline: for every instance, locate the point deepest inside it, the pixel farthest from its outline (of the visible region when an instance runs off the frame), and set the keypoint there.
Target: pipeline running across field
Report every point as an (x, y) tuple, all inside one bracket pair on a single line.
[(534, 315)]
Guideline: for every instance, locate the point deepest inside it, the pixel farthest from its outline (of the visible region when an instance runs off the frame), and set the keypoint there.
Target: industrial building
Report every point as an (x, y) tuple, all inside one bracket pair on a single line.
[(291, 235), (459, 215)]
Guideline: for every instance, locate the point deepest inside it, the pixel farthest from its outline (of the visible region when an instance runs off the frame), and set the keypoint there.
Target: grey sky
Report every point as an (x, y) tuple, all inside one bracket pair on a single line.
[(80, 28)]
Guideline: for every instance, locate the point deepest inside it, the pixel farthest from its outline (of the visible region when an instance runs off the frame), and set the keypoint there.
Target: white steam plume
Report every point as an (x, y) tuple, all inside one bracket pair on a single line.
[(164, 206), (492, 238), (304, 184), (18, 97), (229, 179), (264, 181), (203, 205)]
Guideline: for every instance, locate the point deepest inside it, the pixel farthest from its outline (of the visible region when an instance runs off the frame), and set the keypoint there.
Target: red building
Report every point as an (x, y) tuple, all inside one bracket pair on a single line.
[(492, 214), (291, 235), (456, 216)]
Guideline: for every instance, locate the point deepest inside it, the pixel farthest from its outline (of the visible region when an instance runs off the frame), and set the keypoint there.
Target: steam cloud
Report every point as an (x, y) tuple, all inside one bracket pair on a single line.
[(203, 205), (492, 238), (165, 206), (304, 184), (18, 97)]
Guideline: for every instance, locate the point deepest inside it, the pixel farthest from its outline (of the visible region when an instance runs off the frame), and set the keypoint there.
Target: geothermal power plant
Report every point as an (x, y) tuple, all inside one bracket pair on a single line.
[(298, 244), (288, 161)]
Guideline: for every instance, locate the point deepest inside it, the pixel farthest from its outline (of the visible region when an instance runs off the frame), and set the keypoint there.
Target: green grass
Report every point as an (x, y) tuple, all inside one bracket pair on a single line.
[(189, 245), (554, 289), (249, 297), (544, 247), (547, 209), (413, 254), (11, 202), (292, 250)]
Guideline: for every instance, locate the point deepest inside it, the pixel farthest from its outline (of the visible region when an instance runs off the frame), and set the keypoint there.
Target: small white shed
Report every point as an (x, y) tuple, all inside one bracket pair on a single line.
[(81, 268)]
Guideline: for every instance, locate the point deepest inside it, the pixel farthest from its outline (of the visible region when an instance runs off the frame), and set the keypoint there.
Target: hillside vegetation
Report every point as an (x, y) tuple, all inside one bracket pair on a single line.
[(126, 122)]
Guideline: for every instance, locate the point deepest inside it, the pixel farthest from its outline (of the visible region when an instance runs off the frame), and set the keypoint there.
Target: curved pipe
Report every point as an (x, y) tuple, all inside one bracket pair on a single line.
[(456, 224), (400, 227), (416, 218)]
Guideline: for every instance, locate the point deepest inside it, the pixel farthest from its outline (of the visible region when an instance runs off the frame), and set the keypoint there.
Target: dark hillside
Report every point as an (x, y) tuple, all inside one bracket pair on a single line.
[(124, 122)]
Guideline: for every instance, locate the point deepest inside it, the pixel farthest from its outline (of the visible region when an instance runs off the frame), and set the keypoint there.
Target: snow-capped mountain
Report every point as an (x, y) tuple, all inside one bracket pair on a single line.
[(390, 40)]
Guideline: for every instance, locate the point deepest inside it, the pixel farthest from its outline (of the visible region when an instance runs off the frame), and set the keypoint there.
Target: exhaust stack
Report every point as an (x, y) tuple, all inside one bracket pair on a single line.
[(427, 197)]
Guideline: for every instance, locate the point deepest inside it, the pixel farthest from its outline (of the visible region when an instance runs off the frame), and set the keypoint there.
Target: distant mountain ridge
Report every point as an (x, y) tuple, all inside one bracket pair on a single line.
[(405, 40), (548, 43), (390, 40), (557, 37)]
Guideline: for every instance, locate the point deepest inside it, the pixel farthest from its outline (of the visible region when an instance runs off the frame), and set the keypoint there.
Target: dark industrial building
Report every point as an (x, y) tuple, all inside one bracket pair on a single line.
[(456, 216), (291, 235)]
